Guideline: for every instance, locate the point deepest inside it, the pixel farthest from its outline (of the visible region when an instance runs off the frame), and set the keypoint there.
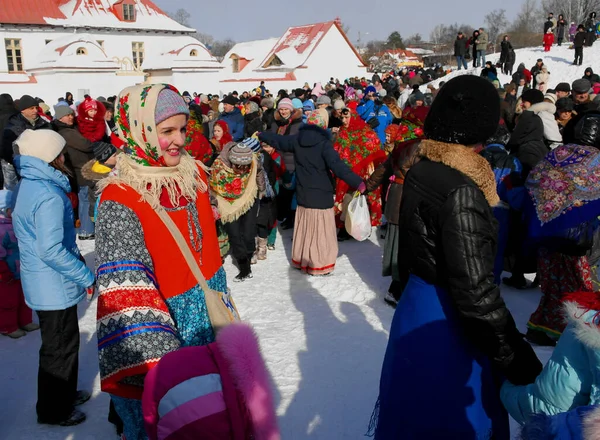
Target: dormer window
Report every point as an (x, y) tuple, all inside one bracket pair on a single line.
[(128, 12), (193, 53), (235, 63), (81, 51), (274, 61)]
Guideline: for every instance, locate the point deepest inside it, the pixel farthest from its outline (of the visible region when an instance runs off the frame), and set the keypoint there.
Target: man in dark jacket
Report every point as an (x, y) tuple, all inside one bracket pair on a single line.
[(7, 110), (591, 76), (548, 24), (460, 51), (578, 43), (535, 70), (234, 118)]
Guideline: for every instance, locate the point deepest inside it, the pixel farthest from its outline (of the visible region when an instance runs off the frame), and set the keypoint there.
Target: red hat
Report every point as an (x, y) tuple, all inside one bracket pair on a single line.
[(89, 104)]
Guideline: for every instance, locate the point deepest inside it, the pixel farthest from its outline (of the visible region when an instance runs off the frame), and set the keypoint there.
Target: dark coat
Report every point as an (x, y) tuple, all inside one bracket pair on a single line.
[(547, 25), (315, 160), (7, 110), (235, 122), (592, 77), (527, 141), (560, 28), (460, 47), (397, 165), (447, 237), (252, 124), (291, 128), (579, 39), (79, 150), (507, 111), (505, 49), (16, 125), (268, 117)]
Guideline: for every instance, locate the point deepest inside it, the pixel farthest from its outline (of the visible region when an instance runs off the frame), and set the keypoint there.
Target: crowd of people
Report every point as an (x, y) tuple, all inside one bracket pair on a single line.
[(465, 182)]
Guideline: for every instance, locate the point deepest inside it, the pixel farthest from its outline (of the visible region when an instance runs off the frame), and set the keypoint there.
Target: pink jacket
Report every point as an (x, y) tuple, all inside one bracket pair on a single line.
[(219, 391)]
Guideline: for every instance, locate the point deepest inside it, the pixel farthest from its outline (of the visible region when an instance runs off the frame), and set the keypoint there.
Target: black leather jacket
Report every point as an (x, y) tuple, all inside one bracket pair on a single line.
[(448, 238)]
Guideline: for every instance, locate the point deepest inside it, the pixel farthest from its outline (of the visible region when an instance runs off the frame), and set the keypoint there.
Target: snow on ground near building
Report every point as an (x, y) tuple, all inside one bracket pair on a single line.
[(323, 340), (559, 62)]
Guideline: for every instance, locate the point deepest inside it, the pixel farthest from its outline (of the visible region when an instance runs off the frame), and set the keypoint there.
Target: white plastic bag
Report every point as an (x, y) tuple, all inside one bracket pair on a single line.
[(358, 219)]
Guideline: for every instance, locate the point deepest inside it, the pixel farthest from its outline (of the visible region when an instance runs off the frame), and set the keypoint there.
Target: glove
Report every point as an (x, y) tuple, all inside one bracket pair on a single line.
[(90, 292), (216, 214), (362, 188)]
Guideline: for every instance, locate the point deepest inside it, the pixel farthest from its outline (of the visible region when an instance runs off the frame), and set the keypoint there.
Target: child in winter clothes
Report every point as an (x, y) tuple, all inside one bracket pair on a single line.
[(15, 316), (571, 377), (105, 159), (548, 40), (238, 181)]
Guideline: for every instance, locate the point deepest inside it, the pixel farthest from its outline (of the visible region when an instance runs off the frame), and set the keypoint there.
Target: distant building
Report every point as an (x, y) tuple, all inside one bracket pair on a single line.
[(399, 58), (97, 47), (311, 53)]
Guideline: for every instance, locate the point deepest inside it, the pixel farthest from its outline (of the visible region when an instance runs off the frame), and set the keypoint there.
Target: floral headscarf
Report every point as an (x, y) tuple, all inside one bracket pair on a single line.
[(134, 117)]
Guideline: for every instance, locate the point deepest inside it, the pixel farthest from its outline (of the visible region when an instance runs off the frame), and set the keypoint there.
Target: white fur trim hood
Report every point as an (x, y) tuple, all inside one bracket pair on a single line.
[(581, 320), (591, 425)]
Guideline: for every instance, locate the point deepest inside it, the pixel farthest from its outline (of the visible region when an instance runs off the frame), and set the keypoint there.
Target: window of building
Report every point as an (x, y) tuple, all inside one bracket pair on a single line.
[(235, 63), (81, 51), (193, 53), (100, 43), (129, 12), (138, 54), (14, 54), (274, 61)]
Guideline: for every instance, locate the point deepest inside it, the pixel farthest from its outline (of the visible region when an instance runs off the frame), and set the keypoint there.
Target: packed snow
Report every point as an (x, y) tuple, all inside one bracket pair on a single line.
[(323, 338)]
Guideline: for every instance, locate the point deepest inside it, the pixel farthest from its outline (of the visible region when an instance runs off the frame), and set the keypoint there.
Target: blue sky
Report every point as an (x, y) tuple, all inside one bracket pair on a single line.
[(244, 20)]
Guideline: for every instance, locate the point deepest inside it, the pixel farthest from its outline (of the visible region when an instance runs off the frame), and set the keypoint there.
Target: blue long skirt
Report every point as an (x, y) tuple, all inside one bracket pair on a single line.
[(434, 383)]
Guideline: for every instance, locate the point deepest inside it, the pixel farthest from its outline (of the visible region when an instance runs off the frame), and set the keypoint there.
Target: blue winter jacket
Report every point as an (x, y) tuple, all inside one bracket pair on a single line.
[(235, 122), (570, 379), (576, 424), (53, 276), (368, 110)]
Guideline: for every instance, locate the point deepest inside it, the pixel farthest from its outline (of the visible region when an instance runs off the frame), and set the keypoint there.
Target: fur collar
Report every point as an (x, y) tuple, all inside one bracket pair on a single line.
[(466, 161), (581, 319), (296, 116), (591, 425), (543, 107)]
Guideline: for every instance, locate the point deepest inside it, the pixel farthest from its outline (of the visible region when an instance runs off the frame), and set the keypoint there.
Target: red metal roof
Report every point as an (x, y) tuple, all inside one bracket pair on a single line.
[(30, 11), (34, 11)]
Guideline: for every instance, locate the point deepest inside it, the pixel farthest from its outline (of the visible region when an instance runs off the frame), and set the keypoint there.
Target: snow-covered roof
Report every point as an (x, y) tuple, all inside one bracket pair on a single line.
[(180, 52), (88, 13), (252, 53), (63, 53), (419, 51)]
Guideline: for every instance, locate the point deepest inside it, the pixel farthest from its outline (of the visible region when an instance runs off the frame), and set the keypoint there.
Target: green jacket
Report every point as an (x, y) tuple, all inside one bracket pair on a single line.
[(482, 41)]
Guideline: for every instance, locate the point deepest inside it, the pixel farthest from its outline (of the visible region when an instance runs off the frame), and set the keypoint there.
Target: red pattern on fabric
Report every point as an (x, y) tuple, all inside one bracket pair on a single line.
[(560, 275), (94, 129), (196, 143)]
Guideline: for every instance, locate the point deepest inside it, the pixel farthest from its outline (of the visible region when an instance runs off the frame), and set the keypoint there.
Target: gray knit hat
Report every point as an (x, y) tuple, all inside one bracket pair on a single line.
[(240, 154)]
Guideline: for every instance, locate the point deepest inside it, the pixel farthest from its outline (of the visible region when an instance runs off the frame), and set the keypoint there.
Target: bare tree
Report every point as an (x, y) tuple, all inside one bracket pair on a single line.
[(221, 47), (438, 34), (413, 40), (573, 10), (529, 19), (206, 39), (181, 16), (496, 23)]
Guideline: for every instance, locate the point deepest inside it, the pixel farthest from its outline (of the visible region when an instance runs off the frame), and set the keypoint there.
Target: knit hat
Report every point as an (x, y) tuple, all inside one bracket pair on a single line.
[(267, 102), (285, 103), (324, 99), (43, 144), (251, 107), (466, 111), (169, 103), (382, 93), (565, 105), (296, 103), (308, 106), (319, 118), (240, 154), (339, 104), (89, 104), (231, 100), (550, 97), (60, 111), (26, 102), (532, 96), (563, 87), (252, 143), (581, 85), (103, 151)]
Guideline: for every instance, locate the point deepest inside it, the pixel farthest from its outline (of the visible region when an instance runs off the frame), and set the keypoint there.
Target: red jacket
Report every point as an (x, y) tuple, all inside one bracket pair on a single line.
[(548, 39), (527, 74)]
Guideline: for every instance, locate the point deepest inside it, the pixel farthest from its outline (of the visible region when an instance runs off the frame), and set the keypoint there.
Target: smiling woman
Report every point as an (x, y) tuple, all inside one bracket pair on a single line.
[(145, 282)]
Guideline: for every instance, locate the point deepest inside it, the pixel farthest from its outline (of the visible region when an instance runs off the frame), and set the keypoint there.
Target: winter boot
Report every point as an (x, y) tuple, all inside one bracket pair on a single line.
[(245, 271), (261, 253), (16, 334), (31, 327), (81, 397)]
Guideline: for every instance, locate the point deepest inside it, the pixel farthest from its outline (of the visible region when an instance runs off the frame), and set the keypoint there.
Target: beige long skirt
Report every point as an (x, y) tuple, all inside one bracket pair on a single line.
[(315, 246)]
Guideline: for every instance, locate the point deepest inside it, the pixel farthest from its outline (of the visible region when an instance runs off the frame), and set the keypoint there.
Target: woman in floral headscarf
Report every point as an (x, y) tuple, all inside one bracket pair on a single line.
[(144, 281), (359, 147)]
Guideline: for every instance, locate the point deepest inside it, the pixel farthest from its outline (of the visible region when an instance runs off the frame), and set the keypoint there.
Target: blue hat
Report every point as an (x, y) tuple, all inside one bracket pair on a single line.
[(308, 105), (370, 89), (252, 143), (296, 103)]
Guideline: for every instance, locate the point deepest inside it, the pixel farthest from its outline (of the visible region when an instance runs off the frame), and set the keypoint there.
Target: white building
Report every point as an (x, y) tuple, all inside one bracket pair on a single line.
[(312, 53), (97, 47)]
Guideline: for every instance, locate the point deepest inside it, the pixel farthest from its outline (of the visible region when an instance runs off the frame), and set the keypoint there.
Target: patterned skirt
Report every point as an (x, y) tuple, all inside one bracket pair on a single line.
[(560, 275)]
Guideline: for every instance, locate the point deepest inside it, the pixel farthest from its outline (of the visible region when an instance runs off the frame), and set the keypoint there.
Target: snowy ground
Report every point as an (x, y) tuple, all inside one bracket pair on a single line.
[(559, 62), (323, 340)]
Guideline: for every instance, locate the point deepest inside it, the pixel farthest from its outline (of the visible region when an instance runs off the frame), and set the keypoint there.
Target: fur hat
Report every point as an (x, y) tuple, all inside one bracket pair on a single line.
[(25, 102), (466, 111), (267, 102), (169, 103), (581, 85), (43, 144), (240, 154), (532, 96), (60, 111), (285, 103)]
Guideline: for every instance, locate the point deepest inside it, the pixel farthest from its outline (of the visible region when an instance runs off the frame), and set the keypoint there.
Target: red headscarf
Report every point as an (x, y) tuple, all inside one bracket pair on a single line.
[(226, 134), (93, 129)]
